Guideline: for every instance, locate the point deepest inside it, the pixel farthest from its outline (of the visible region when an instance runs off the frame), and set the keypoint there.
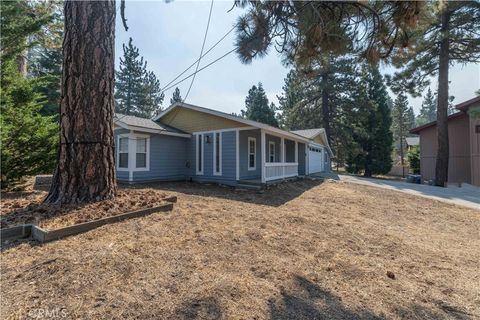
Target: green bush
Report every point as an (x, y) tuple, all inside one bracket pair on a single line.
[(413, 156), (28, 140)]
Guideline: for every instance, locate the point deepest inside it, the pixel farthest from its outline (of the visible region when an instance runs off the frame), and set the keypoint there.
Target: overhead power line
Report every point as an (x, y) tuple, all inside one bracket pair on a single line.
[(206, 52), (197, 71), (201, 51)]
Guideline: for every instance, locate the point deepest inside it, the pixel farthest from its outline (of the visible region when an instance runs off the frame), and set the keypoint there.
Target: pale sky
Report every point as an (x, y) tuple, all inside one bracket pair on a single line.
[(169, 36)]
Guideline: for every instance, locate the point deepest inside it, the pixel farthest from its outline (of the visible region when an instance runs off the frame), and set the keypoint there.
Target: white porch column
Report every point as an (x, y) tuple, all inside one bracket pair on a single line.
[(282, 150), (282, 154), (237, 160), (262, 144), (132, 151)]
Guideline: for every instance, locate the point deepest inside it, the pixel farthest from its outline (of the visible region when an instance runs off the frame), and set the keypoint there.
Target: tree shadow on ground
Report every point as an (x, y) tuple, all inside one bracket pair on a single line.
[(274, 195), (203, 308), (305, 299)]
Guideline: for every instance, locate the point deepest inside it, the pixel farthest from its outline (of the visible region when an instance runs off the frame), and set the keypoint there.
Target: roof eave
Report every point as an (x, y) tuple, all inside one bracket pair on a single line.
[(233, 118)]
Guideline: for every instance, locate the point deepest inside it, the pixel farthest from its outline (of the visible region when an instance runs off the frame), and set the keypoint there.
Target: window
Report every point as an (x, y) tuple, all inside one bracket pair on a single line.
[(477, 128), (122, 152), (252, 152), (199, 154), (141, 155), (271, 151), (133, 152), (217, 153)]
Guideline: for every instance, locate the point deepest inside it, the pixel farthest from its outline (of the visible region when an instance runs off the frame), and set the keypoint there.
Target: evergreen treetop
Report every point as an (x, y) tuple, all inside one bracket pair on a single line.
[(258, 107), (137, 90), (176, 97)]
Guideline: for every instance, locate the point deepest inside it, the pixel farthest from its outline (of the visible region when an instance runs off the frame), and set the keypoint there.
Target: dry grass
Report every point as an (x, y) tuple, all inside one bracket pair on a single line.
[(301, 250), (27, 207)]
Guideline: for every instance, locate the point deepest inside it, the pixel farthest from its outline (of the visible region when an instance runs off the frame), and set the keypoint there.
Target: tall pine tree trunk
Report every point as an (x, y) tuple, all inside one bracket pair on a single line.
[(441, 166), (86, 167)]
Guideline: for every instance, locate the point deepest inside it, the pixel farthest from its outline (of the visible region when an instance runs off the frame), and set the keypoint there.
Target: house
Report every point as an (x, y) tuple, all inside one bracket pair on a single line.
[(464, 145), (188, 142)]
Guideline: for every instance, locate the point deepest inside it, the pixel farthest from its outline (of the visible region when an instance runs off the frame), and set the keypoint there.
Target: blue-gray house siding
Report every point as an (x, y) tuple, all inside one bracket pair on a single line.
[(174, 158), (228, 172), (168, 159), (301, 159), (246, 173)]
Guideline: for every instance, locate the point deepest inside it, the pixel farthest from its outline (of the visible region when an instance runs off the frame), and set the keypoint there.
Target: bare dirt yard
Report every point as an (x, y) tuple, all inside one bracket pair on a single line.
[(302, 250)]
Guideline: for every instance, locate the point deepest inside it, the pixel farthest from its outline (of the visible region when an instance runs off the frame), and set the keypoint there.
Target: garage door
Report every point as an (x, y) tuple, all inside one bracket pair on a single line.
[(315, 160)]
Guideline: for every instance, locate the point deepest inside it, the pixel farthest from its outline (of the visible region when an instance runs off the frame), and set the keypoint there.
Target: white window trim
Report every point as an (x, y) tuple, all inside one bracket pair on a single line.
[(134, 163), (215, 173), (270, 143), (199, 171), (254, 154), (132, 151), (117, 158)]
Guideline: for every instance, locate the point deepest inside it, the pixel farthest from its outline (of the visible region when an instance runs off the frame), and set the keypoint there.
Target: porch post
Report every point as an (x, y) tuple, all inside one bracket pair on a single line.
[(282, 150), (132, 150), (237, 152), (296, 155), (296, 152), (262, 144), (282, 155)]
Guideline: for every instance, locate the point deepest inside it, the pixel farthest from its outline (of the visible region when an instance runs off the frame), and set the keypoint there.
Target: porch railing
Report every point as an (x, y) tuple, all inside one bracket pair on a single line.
[(280, 170)]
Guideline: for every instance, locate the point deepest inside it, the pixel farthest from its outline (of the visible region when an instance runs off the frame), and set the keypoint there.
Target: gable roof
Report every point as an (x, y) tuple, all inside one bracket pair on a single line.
[(312, 133), (143, 124), (412, 141), (232, 117), (463, 107), (467, 104), (309, 133)]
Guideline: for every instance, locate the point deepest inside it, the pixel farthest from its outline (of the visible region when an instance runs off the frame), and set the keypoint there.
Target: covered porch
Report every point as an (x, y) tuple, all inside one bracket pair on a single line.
[(266, 156)]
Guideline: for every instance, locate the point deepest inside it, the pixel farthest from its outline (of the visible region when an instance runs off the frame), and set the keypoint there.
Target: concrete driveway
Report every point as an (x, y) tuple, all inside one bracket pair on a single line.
[(466, 196)]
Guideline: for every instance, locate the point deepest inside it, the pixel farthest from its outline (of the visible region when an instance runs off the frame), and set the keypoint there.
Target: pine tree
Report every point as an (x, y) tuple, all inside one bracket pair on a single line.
[(129, 81), (258, 107), (403, 120), (448, 34), (137, 90), (428, 111), (292, 117), (304, 30), (28, 139), (176, 97), (370, 120), (86, 166), (152, 96)]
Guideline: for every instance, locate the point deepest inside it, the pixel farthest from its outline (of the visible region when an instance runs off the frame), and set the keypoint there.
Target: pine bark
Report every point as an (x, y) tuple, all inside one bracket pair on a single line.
[(86, 168), (441, 166)]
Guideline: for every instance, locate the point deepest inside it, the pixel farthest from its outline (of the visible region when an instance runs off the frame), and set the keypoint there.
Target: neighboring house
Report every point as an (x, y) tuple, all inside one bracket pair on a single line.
[(464, 145), (187, 142), (412, 142)]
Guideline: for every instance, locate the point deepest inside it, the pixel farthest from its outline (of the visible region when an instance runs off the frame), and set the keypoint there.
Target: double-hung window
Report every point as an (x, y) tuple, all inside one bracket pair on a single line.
[(271, 151), (252, 153), (123, 152), (141, 154), (217, 153)]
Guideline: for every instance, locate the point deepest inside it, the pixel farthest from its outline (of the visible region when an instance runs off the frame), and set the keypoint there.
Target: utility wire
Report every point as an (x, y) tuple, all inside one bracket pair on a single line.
[(193, 74), (201, 51), (211, 48)]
